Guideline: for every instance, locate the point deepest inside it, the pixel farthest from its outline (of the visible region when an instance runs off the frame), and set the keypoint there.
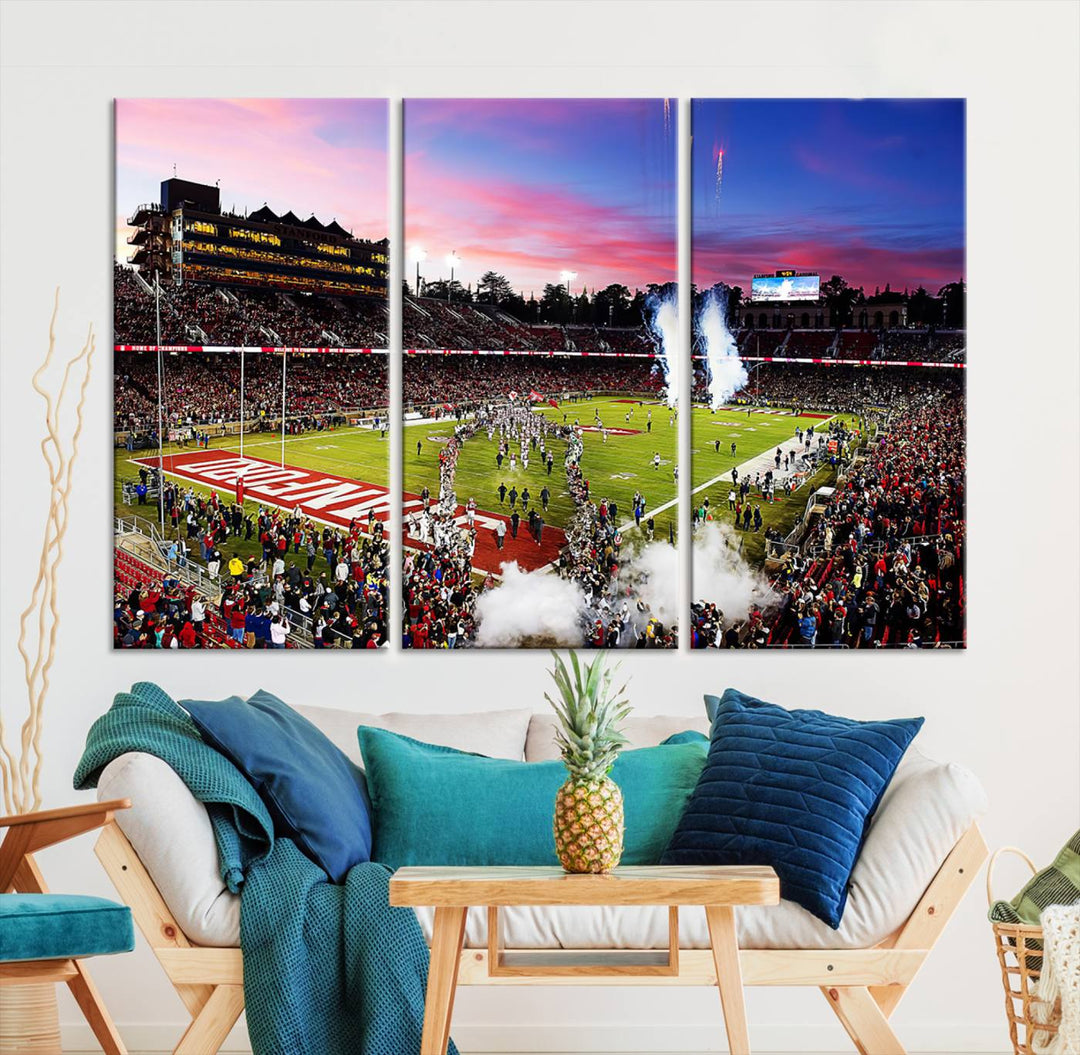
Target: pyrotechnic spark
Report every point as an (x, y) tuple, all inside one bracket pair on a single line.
[(667, 118), (719, 174), (662, 319), (725, 370)]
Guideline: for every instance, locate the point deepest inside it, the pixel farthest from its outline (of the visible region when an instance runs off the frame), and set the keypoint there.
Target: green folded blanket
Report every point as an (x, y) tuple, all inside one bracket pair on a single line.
[(1058, 884), (328, 969)]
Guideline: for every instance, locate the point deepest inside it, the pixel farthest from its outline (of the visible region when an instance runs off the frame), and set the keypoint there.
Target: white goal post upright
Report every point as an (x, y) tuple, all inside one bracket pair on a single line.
[(241, 402), (284, 359)]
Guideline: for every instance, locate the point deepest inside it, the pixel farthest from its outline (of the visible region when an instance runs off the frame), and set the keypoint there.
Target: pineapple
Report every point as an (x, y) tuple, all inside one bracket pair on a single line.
[(589, 807)]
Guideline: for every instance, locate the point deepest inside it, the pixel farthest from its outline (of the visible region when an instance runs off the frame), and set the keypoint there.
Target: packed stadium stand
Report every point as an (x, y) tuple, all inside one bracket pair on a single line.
[(431, 323), (203, 388), (882, 564), (841, 389), (302, 582), (206, 314), (462, 379), (154, 609), (927, 346)]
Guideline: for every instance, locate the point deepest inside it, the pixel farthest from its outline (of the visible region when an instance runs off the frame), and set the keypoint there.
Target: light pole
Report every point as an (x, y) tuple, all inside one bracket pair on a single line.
[(160, 398), (452, 261), (568, 277), (416, 254)]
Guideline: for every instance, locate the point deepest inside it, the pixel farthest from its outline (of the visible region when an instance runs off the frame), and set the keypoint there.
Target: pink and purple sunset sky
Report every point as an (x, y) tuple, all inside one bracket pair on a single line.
[(532, 187), (321, 156), (871, 190)]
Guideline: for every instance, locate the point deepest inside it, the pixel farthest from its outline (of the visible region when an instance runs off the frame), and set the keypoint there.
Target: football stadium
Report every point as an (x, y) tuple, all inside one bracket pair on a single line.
[(250, 428), (540, 374), (234, 514), (828, 476), (547, 454), (830, 354)]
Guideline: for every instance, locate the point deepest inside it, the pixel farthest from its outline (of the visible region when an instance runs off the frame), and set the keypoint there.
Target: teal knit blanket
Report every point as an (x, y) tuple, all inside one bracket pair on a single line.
[(329, 969)]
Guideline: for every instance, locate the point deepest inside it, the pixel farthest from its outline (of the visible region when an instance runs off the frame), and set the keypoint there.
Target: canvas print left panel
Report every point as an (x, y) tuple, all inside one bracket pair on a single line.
[(250, 373)]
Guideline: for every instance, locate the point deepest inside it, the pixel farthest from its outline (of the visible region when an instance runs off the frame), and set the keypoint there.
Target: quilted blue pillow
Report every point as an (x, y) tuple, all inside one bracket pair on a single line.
[(316, 796), (791, 789)]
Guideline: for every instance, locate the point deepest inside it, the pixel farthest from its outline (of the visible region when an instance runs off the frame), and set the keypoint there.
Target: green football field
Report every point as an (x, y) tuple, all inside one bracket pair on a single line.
[(615, 469), (753, 434), (356, 454)]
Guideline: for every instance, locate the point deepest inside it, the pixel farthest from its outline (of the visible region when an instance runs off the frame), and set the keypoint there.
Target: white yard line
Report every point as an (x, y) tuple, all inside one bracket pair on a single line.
[(764, 459)]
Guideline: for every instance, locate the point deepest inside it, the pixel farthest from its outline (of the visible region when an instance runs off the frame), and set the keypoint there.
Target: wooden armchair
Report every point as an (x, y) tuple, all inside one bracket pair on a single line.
[(45, 937)]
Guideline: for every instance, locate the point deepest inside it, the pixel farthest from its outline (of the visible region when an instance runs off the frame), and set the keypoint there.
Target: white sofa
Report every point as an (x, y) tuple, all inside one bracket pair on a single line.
[(926, 810)]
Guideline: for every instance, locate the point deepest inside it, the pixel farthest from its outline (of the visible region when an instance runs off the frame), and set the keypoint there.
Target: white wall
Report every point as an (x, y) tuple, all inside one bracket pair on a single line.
[(1007, 708)]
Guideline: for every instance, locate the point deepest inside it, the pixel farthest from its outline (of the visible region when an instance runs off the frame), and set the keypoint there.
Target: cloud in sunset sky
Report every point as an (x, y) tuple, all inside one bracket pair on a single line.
[(871, 190), (529, 187), (321, 156)]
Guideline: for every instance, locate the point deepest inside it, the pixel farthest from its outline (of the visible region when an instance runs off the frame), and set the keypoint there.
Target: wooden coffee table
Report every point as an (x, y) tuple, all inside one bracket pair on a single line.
[(453, 891)]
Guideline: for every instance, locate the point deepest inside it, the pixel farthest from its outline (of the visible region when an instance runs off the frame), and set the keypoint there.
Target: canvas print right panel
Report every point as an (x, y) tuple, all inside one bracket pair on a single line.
[(828, 431)]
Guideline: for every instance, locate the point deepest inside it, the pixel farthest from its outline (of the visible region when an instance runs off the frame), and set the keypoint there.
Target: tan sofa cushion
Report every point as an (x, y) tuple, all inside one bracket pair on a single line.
[(497, 734), (640, 730)]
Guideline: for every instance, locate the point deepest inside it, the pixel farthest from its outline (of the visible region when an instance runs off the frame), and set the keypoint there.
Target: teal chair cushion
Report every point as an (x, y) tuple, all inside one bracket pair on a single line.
[(59, 926)]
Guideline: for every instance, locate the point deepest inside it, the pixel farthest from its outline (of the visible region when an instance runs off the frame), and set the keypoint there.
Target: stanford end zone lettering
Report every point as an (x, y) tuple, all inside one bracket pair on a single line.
[(329, 498)]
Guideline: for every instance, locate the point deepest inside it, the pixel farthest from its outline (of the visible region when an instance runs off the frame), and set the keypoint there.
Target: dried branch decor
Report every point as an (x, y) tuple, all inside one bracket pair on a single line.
[(21, 774)]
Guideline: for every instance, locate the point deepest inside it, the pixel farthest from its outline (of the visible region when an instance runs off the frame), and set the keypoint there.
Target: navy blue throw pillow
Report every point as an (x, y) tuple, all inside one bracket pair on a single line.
[(792, 789), (315, 795)]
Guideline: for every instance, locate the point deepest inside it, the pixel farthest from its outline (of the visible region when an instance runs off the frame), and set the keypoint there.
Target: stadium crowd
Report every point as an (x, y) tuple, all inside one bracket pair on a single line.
[(204, 314), (926, 345), (301, 582), (593, 558), (439, 591), (839, 389), (431, 323), (203, 388), (472, 379), (883, 566)]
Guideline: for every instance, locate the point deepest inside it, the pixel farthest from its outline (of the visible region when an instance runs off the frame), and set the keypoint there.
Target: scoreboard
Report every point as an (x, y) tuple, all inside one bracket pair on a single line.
[(786, 284)]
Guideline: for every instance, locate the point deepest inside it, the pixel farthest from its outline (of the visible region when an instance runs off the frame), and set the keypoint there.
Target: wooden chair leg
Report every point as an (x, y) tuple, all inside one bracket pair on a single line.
[(725, 950), (211, 1025), (864, 1021), (94, 1011), (446, 941), (888, 997)]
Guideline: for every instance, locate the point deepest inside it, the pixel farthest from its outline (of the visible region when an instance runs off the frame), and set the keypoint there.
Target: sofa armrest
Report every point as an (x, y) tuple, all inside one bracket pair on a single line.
[(170, 831)]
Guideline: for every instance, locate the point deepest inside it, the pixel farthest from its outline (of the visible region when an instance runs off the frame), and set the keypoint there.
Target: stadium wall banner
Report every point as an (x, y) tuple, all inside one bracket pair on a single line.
[(835, 518), (251, 364)]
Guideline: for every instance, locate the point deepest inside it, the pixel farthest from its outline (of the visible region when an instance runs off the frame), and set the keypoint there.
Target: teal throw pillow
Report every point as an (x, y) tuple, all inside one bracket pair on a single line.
[(437, 806)]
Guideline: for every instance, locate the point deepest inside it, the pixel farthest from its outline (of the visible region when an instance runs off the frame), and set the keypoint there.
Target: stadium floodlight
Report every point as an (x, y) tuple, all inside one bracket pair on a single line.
[(416, 255), (568, 277), (452, 261)]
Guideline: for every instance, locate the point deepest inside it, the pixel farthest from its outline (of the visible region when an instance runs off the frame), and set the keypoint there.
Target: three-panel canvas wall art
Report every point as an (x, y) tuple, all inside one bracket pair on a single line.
[(544, 367)]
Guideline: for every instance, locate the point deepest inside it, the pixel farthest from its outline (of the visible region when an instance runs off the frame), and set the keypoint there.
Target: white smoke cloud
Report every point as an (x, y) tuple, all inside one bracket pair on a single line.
[(534, 609), (722, 577), (652, 574), (662, 318), (726, 371)]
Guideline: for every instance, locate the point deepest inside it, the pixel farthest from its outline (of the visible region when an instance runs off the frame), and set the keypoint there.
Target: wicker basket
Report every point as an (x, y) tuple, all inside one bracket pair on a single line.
[(1020, 955)]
